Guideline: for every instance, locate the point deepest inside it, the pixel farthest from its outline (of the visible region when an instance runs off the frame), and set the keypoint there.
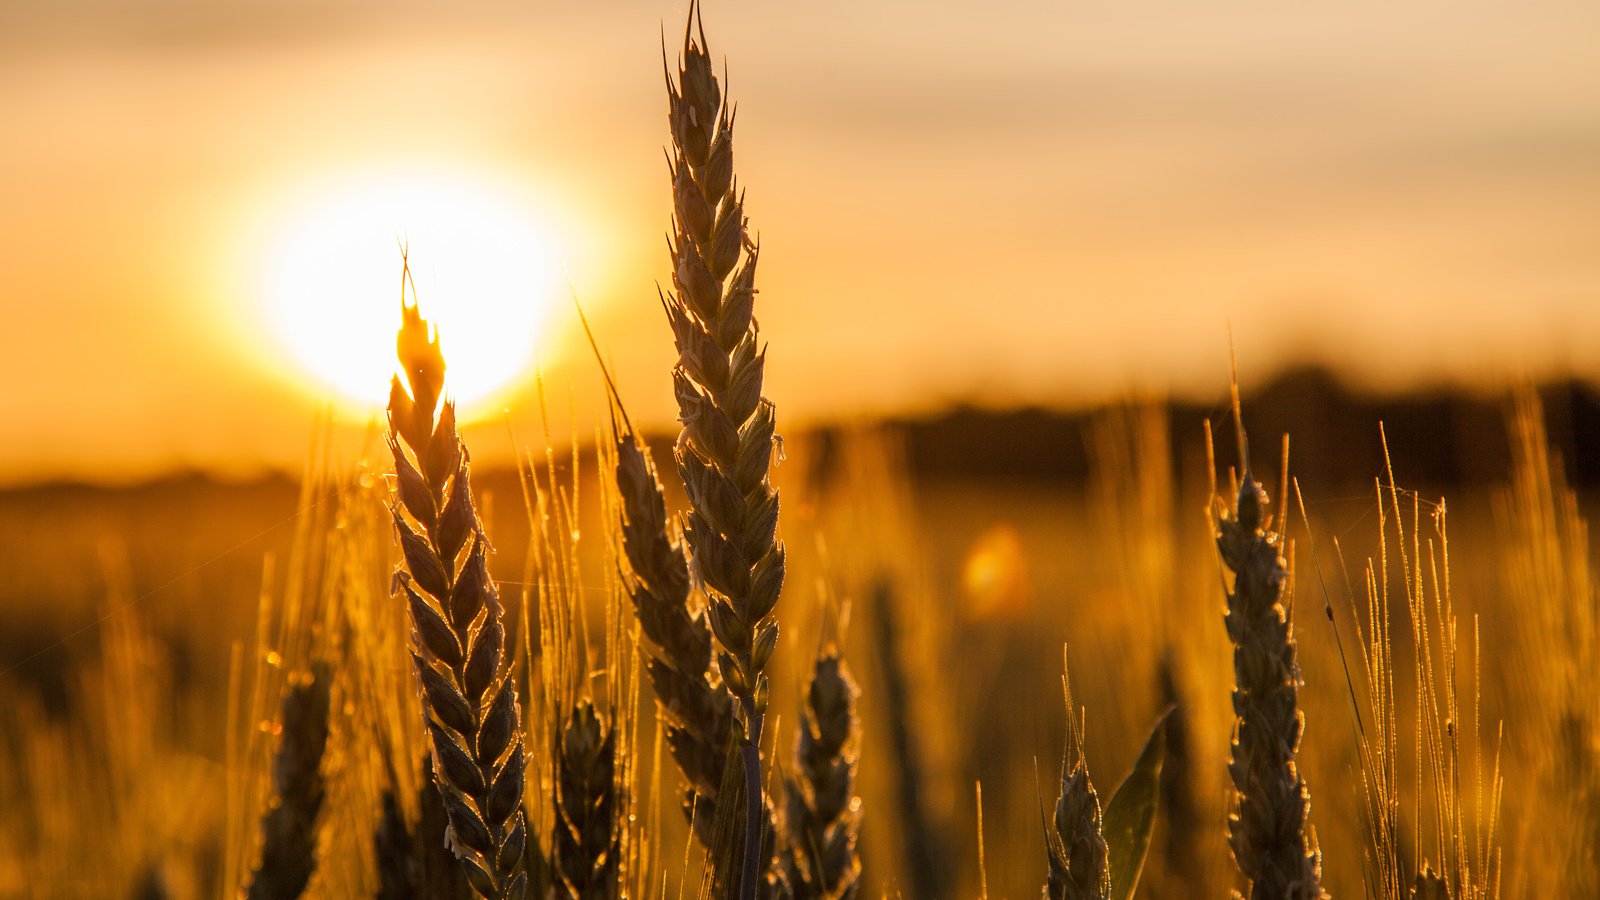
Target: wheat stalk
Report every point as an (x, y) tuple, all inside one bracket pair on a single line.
[(725, 448), (416, 864), (585, 847), (824, 812), (473, 719), (289, 826), (924, 861), (1267, 829), (1547, 575), (152, 884), (1076, 850), (399, 869), (699, 713), (1457, 798), (697, 710), (1429, 886)]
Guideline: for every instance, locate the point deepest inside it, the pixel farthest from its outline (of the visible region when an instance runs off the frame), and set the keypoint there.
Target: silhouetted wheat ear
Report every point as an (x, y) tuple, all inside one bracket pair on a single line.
[(399, 870), (824, 812), (1268, 828), (1429, 886), (697, 710), (585, 847), (1075, 844), (923, 859), (289, 826), (725, 447), (1077, 851), (473, 719), (416, 864), (152, 884)]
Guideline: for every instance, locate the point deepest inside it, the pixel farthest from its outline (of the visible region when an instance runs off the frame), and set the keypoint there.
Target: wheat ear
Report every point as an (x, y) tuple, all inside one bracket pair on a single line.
[(1267, 829), (1075, 844), (473, 719), (697, 711), (399, 870), (924, 860), (1429, 886), (289, 826), (725, 447), (824, 812), (585, 848), (152, 884), (417, 865)]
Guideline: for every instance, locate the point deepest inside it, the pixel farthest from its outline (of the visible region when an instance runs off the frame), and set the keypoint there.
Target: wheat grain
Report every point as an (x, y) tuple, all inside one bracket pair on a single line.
[(697, 710), (698, 713), (725, 448), (1267, 829), (1079, 860), (474, 721)]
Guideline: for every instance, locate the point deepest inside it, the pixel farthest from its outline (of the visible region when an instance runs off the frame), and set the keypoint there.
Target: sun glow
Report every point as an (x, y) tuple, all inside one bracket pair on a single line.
[(485, 270)]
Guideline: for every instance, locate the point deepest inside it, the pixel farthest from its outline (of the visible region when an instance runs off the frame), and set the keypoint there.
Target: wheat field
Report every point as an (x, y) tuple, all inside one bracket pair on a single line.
[(1163, 658)]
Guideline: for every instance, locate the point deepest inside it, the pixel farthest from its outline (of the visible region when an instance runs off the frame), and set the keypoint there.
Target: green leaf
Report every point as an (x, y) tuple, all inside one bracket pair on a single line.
[(1130, 814)]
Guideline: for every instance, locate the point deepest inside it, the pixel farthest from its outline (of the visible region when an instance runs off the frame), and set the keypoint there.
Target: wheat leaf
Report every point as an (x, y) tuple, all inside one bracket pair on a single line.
[(1130, 814)]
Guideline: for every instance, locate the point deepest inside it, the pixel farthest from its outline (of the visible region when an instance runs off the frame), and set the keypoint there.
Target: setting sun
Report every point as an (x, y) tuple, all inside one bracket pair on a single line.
[(485, 270), (413, 486)]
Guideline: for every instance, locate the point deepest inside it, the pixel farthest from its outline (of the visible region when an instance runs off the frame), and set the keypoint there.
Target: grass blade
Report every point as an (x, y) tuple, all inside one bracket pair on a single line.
[(1130, 814)]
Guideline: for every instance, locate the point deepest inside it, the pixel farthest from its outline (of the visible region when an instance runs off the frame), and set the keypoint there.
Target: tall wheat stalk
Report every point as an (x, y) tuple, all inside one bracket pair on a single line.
[(696, 710), (824, 813), (1267, 829), (725, 448), (473, 718), (1548, 577), (289, 826), (585, 850), (1456, 811), (415, 863), (1075, 843)]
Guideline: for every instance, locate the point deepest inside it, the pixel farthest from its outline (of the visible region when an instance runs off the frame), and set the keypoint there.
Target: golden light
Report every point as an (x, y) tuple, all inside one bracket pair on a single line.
[(995, 578), (486, 273)]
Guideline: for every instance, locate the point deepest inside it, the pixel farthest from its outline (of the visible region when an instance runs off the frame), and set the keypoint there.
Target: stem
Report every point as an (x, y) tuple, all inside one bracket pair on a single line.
[(751, 754)]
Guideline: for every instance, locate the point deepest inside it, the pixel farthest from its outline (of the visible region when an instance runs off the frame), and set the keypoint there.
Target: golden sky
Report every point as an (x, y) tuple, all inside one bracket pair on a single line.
[(1025, 202)]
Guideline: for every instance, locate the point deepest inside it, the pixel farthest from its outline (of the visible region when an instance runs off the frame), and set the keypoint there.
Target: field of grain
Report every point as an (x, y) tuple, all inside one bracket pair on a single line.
[(138, 644), (1294, 642)]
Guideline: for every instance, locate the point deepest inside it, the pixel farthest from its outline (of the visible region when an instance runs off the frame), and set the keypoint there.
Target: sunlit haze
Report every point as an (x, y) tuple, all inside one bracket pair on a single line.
[(485, 269), (1029, 203), (442, 443)]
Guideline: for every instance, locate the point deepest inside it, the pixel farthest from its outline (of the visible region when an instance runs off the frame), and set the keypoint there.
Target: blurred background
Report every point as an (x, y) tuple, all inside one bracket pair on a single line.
[(1006, 253), (1033, 204)]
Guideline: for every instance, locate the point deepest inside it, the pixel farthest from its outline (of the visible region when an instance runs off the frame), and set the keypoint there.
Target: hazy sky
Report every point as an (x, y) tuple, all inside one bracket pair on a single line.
[(1008, 203)]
